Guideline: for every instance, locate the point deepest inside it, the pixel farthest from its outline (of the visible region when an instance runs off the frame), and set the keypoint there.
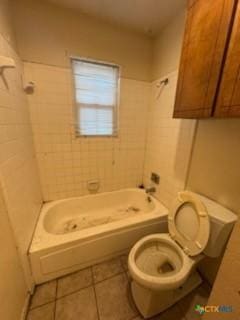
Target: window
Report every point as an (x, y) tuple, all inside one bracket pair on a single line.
[(96, 94)]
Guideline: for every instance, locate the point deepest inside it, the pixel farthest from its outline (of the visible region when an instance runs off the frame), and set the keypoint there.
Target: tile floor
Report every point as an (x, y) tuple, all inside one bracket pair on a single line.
[(102, 292)]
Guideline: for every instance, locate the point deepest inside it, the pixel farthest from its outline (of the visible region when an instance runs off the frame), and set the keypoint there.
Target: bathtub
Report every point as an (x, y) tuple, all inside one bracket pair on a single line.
[(74, 233)]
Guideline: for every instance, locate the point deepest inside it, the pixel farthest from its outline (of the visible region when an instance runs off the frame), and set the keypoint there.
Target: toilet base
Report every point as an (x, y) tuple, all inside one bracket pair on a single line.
[(150, 302)]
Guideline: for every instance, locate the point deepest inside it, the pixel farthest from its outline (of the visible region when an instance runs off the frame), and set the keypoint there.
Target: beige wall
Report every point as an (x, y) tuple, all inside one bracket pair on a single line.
[(48, 34), (214, 165), (214, 169), (226, 287), (6, 23), (169, 142), (18, 169), (13, 289), (167, 47)]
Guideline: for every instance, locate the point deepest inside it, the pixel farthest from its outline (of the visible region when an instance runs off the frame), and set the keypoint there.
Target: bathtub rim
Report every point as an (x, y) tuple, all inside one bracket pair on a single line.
[(44, 240)]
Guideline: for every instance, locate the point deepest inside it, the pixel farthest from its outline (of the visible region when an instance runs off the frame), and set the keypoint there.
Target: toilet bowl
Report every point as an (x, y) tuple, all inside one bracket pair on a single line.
[(163, 266), (158, 263)]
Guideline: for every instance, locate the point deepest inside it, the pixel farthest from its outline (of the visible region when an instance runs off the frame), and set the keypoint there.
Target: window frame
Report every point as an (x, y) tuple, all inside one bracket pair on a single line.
[(75, 103)]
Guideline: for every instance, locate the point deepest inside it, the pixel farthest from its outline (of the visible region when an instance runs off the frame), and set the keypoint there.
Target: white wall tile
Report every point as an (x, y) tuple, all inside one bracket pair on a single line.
[(18, 168), (66, 163)]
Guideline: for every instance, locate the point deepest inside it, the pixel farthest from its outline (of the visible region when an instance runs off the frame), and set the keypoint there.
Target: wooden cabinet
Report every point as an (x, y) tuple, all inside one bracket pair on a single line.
[(207, 32), (228, 101)]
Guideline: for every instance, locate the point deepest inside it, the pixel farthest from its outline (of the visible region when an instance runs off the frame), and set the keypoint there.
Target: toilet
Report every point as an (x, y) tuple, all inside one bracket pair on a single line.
[(163, 266)]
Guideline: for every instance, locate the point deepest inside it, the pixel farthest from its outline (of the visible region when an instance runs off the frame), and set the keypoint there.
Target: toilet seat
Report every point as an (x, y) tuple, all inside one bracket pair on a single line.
[(189, 230), (188, 223)]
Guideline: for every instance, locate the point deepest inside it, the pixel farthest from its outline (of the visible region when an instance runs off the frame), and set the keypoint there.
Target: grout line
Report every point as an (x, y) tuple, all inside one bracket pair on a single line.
[(110, 277), (54, 309), (130, 297), (91, 285), (55, 302), (95, 294), (122, 264), (41, 305), (73, 292), (69, 274), (181, 311)]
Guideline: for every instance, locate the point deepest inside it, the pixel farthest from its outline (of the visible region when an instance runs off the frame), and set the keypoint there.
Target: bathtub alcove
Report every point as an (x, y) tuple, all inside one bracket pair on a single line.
[(74, 233)]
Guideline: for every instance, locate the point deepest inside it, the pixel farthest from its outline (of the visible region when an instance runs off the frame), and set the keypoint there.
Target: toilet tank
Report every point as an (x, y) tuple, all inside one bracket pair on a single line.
[(221, 223)]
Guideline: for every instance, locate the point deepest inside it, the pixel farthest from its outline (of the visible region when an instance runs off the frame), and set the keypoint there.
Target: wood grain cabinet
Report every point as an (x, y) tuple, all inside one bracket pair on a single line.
[(228, 100), (208, 29)]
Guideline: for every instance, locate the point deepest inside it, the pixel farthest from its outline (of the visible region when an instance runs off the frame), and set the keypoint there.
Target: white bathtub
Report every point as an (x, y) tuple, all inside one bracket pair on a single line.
[(74, 233)]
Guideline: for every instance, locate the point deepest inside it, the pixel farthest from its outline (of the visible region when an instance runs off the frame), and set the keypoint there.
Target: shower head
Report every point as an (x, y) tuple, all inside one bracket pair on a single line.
[(163, 82)]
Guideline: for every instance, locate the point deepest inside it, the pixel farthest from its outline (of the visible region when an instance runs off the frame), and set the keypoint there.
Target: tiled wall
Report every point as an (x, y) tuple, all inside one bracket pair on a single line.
[(169, 142), (67, 163), (18, 169), (13, 289)]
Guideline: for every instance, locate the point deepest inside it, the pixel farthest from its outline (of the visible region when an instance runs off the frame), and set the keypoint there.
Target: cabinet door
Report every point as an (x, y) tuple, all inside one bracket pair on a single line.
[(228, 102), (205, 40)]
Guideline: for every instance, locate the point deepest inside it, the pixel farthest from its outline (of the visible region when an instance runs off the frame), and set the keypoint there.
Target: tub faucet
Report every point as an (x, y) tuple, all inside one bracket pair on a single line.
[(150, 190)]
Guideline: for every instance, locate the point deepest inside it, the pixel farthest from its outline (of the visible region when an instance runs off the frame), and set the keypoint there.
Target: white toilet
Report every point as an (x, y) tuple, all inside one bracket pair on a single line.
[(163, 266)]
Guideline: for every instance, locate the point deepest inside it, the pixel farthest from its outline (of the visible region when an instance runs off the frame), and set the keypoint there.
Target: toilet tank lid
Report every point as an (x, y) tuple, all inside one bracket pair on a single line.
[(217, 211)]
